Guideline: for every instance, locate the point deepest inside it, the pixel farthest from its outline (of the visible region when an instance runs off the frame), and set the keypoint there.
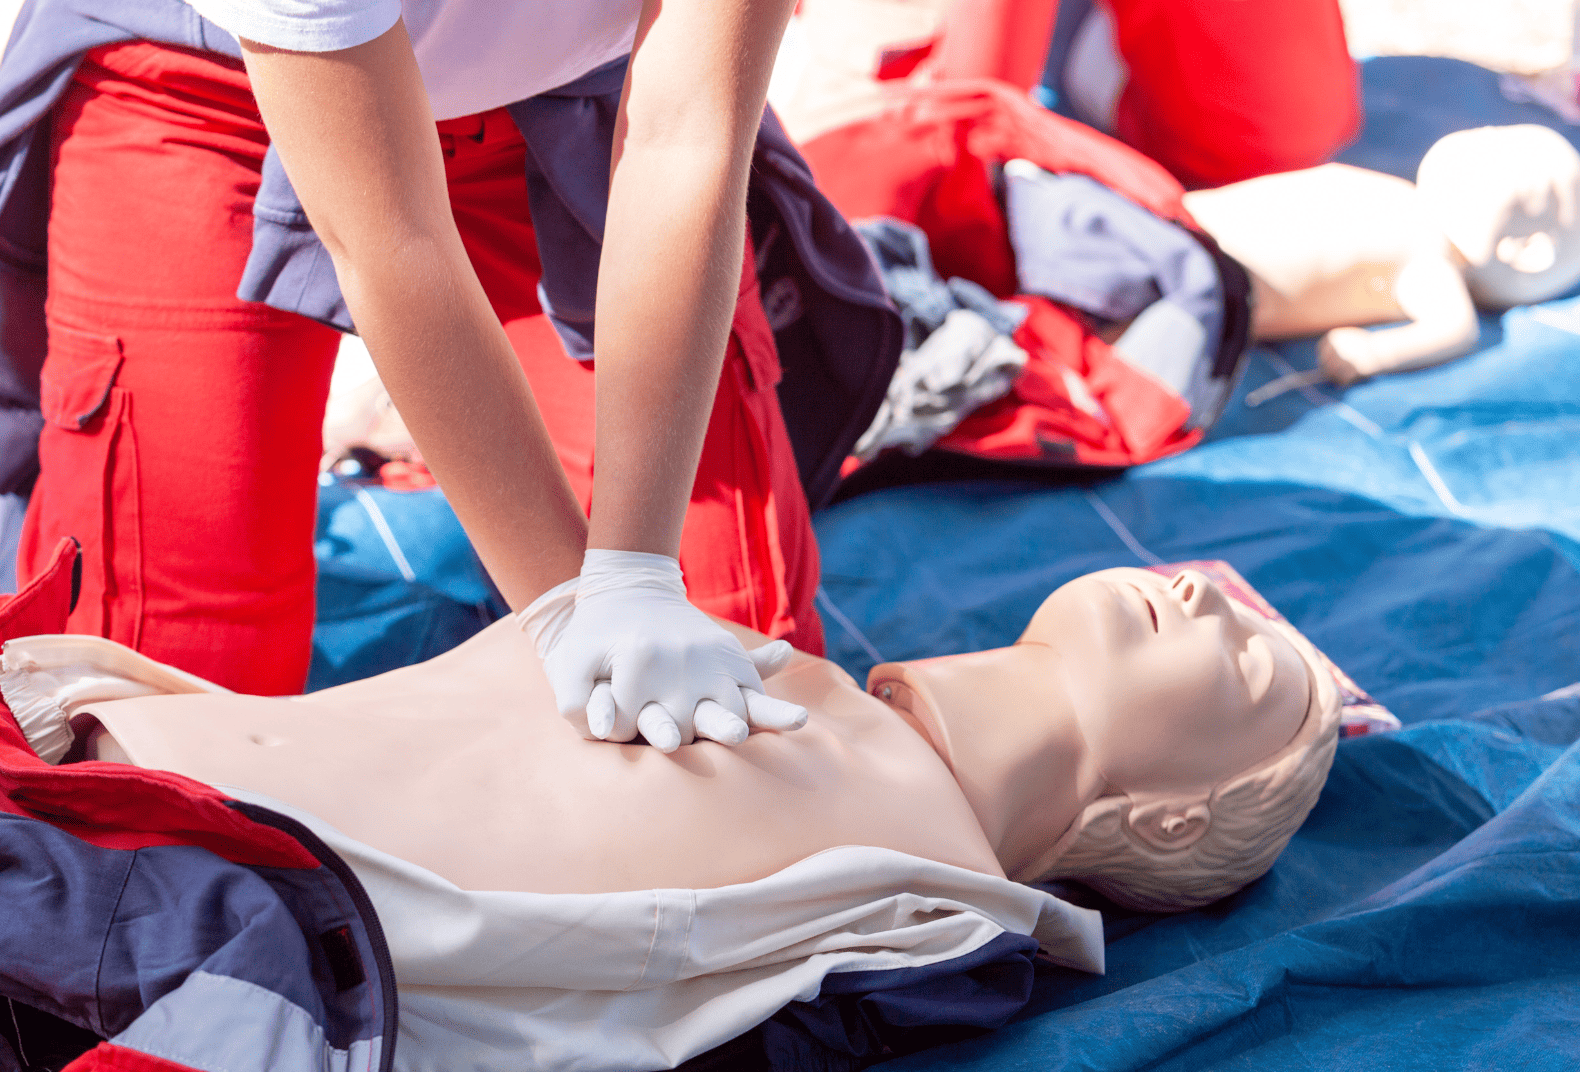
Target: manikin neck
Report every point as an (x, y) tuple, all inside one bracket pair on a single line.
[(1002, 721)]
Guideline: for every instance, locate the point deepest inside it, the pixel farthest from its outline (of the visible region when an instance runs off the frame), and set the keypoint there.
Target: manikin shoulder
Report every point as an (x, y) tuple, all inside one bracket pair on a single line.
[(1331, 207)]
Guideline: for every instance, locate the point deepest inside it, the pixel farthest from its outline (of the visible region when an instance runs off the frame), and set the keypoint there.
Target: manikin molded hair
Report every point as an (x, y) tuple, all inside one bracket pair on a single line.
[(1252, 817)]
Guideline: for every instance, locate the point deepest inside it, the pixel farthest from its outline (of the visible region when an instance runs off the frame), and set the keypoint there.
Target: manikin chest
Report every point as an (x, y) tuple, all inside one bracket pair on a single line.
[(462, 766)]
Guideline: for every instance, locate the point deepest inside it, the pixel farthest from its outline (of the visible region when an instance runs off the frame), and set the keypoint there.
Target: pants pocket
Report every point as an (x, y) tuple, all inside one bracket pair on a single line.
[(88, 487)]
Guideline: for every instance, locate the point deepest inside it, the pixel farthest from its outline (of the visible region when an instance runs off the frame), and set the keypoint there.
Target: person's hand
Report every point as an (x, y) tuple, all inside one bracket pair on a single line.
[(626, 654)]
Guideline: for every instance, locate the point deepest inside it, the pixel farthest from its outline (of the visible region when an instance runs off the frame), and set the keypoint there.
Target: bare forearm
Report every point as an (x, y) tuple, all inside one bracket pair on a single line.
[(451, 371), (670, 271), (356, 136), (667, 288)]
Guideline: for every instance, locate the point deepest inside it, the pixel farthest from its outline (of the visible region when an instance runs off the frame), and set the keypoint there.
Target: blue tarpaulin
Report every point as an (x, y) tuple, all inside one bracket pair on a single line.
[(1423, 529)]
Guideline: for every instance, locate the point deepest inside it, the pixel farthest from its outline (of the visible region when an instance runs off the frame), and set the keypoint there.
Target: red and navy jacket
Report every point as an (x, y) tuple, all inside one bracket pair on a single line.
[(186, 929)]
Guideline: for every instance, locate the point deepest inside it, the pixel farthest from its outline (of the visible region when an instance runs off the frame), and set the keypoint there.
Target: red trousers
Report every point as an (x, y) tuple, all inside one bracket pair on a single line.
[(182, 430), (1218, 90)]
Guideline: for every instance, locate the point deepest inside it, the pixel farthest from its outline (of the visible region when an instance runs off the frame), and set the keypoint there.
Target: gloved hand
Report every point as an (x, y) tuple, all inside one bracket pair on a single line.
[(627, 653)]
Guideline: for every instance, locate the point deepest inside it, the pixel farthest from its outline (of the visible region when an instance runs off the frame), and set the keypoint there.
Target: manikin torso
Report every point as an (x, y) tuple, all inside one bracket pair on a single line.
[(1324, 246), (1492, 218), (462, 765), (1124, 681)]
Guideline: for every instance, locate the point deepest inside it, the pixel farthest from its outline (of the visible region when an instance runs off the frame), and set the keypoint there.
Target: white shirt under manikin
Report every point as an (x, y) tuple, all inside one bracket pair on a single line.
[(474, 55), (646, 980)]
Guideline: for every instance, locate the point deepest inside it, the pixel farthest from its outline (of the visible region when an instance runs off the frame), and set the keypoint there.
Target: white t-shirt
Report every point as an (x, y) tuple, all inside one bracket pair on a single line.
[(474, 55)]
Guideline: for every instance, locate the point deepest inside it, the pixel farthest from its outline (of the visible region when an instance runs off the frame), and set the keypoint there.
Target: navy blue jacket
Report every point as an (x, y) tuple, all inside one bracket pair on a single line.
[(839, 339)]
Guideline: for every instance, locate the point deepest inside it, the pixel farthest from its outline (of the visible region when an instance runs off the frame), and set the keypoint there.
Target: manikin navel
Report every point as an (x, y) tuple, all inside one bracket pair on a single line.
[(1124, 684)]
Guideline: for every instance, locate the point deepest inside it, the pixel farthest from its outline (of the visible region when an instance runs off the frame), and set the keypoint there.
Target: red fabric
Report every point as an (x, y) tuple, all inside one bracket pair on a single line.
[(996, 39), (107, 1057), (117, 806), (747, 548), (898, 61), (1138, 419), (925, 160), (1224, 90), (183, 425), (182, 437)]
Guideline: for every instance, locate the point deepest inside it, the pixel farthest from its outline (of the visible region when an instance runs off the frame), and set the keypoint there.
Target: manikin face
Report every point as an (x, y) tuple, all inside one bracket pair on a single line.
[(1173, 685), (1506, 197)]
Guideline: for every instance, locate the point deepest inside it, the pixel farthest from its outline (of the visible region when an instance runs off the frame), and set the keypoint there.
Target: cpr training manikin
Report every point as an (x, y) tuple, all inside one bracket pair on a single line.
[(1147, 736), (1491, 221)]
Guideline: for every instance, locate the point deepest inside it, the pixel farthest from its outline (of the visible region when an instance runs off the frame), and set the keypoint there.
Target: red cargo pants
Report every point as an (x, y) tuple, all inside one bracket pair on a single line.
[(182, 428)]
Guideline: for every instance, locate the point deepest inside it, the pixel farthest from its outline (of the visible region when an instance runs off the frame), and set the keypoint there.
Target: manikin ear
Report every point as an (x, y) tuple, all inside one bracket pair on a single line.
[(1258, 666), (1170, 823)]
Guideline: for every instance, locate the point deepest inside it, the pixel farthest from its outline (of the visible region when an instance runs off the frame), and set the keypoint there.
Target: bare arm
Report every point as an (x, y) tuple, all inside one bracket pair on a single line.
[(671, 260), (357, 138), (1442, 325)]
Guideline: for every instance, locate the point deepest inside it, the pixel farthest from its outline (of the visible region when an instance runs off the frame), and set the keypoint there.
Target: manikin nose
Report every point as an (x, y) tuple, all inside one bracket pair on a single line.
[(1194, 591)]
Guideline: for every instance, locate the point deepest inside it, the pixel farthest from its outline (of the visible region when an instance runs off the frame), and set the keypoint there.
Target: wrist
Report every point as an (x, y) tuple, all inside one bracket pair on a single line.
[(606, 569), (546, 618)]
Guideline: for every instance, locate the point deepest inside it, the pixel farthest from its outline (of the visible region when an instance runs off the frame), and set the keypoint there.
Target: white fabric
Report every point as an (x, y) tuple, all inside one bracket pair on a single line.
[(962, 365), (635, 656), (474, 55), (46, 678), (646, 980)]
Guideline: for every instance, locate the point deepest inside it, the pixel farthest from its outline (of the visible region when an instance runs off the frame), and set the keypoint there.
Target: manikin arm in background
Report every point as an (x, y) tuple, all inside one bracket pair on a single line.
[(1431, 293)]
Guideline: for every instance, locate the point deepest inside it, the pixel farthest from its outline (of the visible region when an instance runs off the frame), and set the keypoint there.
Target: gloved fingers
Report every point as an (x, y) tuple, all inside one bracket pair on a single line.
[(572, 684), (658, 727), (603, 718), (770, 659), (773, 714), (714, 721)]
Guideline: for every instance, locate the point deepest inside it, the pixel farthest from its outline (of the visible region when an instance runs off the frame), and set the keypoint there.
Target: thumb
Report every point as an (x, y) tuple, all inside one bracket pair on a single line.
[(770, 659)]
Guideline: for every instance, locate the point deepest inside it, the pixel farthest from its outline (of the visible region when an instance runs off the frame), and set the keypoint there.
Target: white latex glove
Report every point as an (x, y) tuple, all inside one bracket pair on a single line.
[(627, 653)]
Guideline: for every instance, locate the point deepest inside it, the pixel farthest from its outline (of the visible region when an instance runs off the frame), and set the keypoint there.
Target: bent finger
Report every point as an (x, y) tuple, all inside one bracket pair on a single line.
[(603, 717), (773, 714), (658, 727), (714, 721)]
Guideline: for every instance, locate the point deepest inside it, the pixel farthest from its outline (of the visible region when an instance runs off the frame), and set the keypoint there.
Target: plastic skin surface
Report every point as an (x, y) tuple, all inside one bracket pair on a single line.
[(1491, 221), (462, 765), (1123, 683)]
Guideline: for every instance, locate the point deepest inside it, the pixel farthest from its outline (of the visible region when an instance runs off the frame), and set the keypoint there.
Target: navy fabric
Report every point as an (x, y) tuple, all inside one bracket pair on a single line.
[(95, 936), (860, 1017), (1412, 101), (1423, 529)]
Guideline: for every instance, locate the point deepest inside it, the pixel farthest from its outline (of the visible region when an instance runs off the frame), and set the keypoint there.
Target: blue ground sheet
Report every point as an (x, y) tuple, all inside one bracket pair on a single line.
[(1422, 529)]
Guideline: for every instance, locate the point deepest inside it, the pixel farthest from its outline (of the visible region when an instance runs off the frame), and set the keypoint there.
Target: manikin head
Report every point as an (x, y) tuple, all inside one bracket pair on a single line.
[(1508, 199), (1148, 736)]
